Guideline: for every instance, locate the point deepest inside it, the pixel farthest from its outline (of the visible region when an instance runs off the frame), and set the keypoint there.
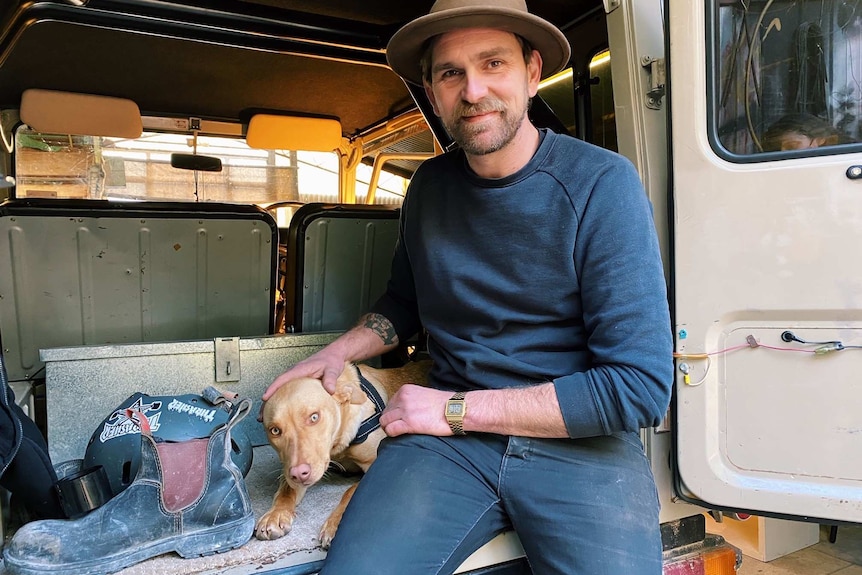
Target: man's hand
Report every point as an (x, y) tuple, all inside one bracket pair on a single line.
[(416, 409), (373, 335), (325, 365)]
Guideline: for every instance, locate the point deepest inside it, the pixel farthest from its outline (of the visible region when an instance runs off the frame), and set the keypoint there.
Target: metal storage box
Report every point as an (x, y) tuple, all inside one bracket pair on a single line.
[(83, 384)]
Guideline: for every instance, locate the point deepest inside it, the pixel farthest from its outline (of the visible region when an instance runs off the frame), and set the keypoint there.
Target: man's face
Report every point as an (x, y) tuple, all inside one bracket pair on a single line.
[(481, 87)]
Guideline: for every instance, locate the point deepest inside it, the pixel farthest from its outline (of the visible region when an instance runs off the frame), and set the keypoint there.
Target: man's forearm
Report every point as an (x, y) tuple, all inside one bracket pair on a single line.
[(526, 411), (371, 336)]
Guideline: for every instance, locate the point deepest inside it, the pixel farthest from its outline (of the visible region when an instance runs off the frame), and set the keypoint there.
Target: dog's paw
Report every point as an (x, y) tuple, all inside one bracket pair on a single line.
[(327, 532), (273, 524)]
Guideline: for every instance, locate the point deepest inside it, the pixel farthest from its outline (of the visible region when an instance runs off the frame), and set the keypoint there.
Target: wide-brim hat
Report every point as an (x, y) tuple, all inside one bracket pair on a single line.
[(407, 44)]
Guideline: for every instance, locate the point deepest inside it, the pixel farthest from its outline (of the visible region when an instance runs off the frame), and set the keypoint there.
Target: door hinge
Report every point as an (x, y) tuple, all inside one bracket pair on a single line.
[(657, 78), (611, 5), (227, 366)]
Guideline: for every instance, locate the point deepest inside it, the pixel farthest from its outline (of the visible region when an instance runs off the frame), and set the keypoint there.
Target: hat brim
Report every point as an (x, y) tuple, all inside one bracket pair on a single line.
[(406, 46)]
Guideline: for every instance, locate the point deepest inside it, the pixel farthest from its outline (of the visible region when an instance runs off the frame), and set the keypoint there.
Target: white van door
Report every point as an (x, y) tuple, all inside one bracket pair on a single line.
[(766, 114)]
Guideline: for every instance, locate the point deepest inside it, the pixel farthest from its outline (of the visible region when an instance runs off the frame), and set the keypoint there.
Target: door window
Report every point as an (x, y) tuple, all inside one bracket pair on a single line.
[(787, 77)]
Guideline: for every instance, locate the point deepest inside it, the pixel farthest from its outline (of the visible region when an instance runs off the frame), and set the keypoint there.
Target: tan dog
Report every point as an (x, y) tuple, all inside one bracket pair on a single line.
[(308, 428)]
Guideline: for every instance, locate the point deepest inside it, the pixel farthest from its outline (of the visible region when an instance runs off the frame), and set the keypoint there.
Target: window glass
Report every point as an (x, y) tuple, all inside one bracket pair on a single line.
[(558, 92), (602, 112), (788, 74), (61, 166)]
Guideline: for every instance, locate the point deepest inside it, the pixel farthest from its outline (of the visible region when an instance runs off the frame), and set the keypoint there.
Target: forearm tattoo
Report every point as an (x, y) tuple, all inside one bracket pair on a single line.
[(382, 327)]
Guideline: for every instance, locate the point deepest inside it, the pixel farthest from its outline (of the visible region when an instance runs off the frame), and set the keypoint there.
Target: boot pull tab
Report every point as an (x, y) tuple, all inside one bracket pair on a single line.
[(240, 408), (230, 401), (221, 399), (140, 419)]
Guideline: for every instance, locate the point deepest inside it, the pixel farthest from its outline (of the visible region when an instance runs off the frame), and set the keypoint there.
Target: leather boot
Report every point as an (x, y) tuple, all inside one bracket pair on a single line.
[(187, 497)]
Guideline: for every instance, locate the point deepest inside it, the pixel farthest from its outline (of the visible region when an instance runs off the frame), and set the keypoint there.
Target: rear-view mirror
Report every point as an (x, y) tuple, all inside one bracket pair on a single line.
[(195, 162)]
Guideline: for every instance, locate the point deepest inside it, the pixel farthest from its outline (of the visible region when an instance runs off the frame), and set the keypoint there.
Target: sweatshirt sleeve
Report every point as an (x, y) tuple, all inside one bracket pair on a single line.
[(625, 313)]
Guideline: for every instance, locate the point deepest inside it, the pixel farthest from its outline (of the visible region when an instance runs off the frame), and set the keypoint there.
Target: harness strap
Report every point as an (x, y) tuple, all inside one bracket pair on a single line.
[(373, 422)]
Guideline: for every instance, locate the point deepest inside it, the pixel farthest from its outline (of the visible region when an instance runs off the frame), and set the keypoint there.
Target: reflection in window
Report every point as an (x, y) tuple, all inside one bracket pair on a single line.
[(789, 74)]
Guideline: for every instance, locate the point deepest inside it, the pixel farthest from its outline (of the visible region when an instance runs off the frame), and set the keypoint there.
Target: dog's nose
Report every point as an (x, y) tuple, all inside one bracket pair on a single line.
[(300, 473)]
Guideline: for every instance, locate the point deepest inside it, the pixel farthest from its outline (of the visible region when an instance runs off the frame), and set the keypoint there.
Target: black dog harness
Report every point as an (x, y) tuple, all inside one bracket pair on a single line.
[(373, 422)]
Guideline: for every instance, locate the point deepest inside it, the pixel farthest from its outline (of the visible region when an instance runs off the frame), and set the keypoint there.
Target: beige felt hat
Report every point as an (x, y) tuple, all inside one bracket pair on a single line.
[(406, 46)]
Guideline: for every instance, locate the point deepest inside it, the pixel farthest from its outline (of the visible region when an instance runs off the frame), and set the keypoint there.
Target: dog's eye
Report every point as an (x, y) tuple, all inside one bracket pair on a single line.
[(274, 431), (314, 417)]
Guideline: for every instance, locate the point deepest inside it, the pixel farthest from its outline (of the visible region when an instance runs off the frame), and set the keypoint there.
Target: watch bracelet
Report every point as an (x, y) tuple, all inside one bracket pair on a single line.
[(457, 427)]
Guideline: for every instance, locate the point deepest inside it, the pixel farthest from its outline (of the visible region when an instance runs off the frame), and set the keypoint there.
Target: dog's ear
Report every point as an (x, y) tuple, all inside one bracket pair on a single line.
[(349, 392)]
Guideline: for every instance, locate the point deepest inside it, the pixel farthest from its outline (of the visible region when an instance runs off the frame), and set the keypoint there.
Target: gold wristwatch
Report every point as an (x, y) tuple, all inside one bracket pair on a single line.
[(456, 408)]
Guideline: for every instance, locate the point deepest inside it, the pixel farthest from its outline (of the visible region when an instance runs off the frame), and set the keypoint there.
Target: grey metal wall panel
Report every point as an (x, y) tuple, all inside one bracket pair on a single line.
[(346, 268), (90, 280)]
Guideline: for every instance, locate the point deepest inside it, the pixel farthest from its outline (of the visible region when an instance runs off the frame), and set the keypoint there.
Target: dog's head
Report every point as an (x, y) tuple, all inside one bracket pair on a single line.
[(304, 423)]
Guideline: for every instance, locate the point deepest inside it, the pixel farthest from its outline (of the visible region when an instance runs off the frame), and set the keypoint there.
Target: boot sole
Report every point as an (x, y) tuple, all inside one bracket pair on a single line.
[(216, 540)]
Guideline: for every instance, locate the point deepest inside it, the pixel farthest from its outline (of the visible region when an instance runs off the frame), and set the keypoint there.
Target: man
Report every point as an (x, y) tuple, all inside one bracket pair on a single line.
[(532, 261)]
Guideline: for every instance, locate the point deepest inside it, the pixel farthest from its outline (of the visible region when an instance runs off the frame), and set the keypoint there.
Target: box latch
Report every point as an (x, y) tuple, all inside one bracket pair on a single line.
[(227, 366)]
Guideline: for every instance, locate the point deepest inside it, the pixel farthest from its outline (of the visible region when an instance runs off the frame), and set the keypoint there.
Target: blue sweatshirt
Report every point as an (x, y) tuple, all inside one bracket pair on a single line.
[(550, 274)]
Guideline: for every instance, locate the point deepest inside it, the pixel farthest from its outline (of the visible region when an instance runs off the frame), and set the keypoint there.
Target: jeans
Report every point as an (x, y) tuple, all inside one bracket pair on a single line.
[(579, 507)]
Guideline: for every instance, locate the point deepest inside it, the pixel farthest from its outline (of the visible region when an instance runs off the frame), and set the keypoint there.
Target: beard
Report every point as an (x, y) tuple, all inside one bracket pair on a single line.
[(489, 136)]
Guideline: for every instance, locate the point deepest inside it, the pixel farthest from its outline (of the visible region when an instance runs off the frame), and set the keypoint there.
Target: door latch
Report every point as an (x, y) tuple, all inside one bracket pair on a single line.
[(227, 367), (657, 79)]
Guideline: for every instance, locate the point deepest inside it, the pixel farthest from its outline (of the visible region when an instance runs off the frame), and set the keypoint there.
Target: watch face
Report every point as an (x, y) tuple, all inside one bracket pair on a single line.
[(453, 409)]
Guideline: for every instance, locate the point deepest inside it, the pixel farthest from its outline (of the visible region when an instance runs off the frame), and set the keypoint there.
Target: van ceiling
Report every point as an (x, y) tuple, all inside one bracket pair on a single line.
[(221, 59)]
